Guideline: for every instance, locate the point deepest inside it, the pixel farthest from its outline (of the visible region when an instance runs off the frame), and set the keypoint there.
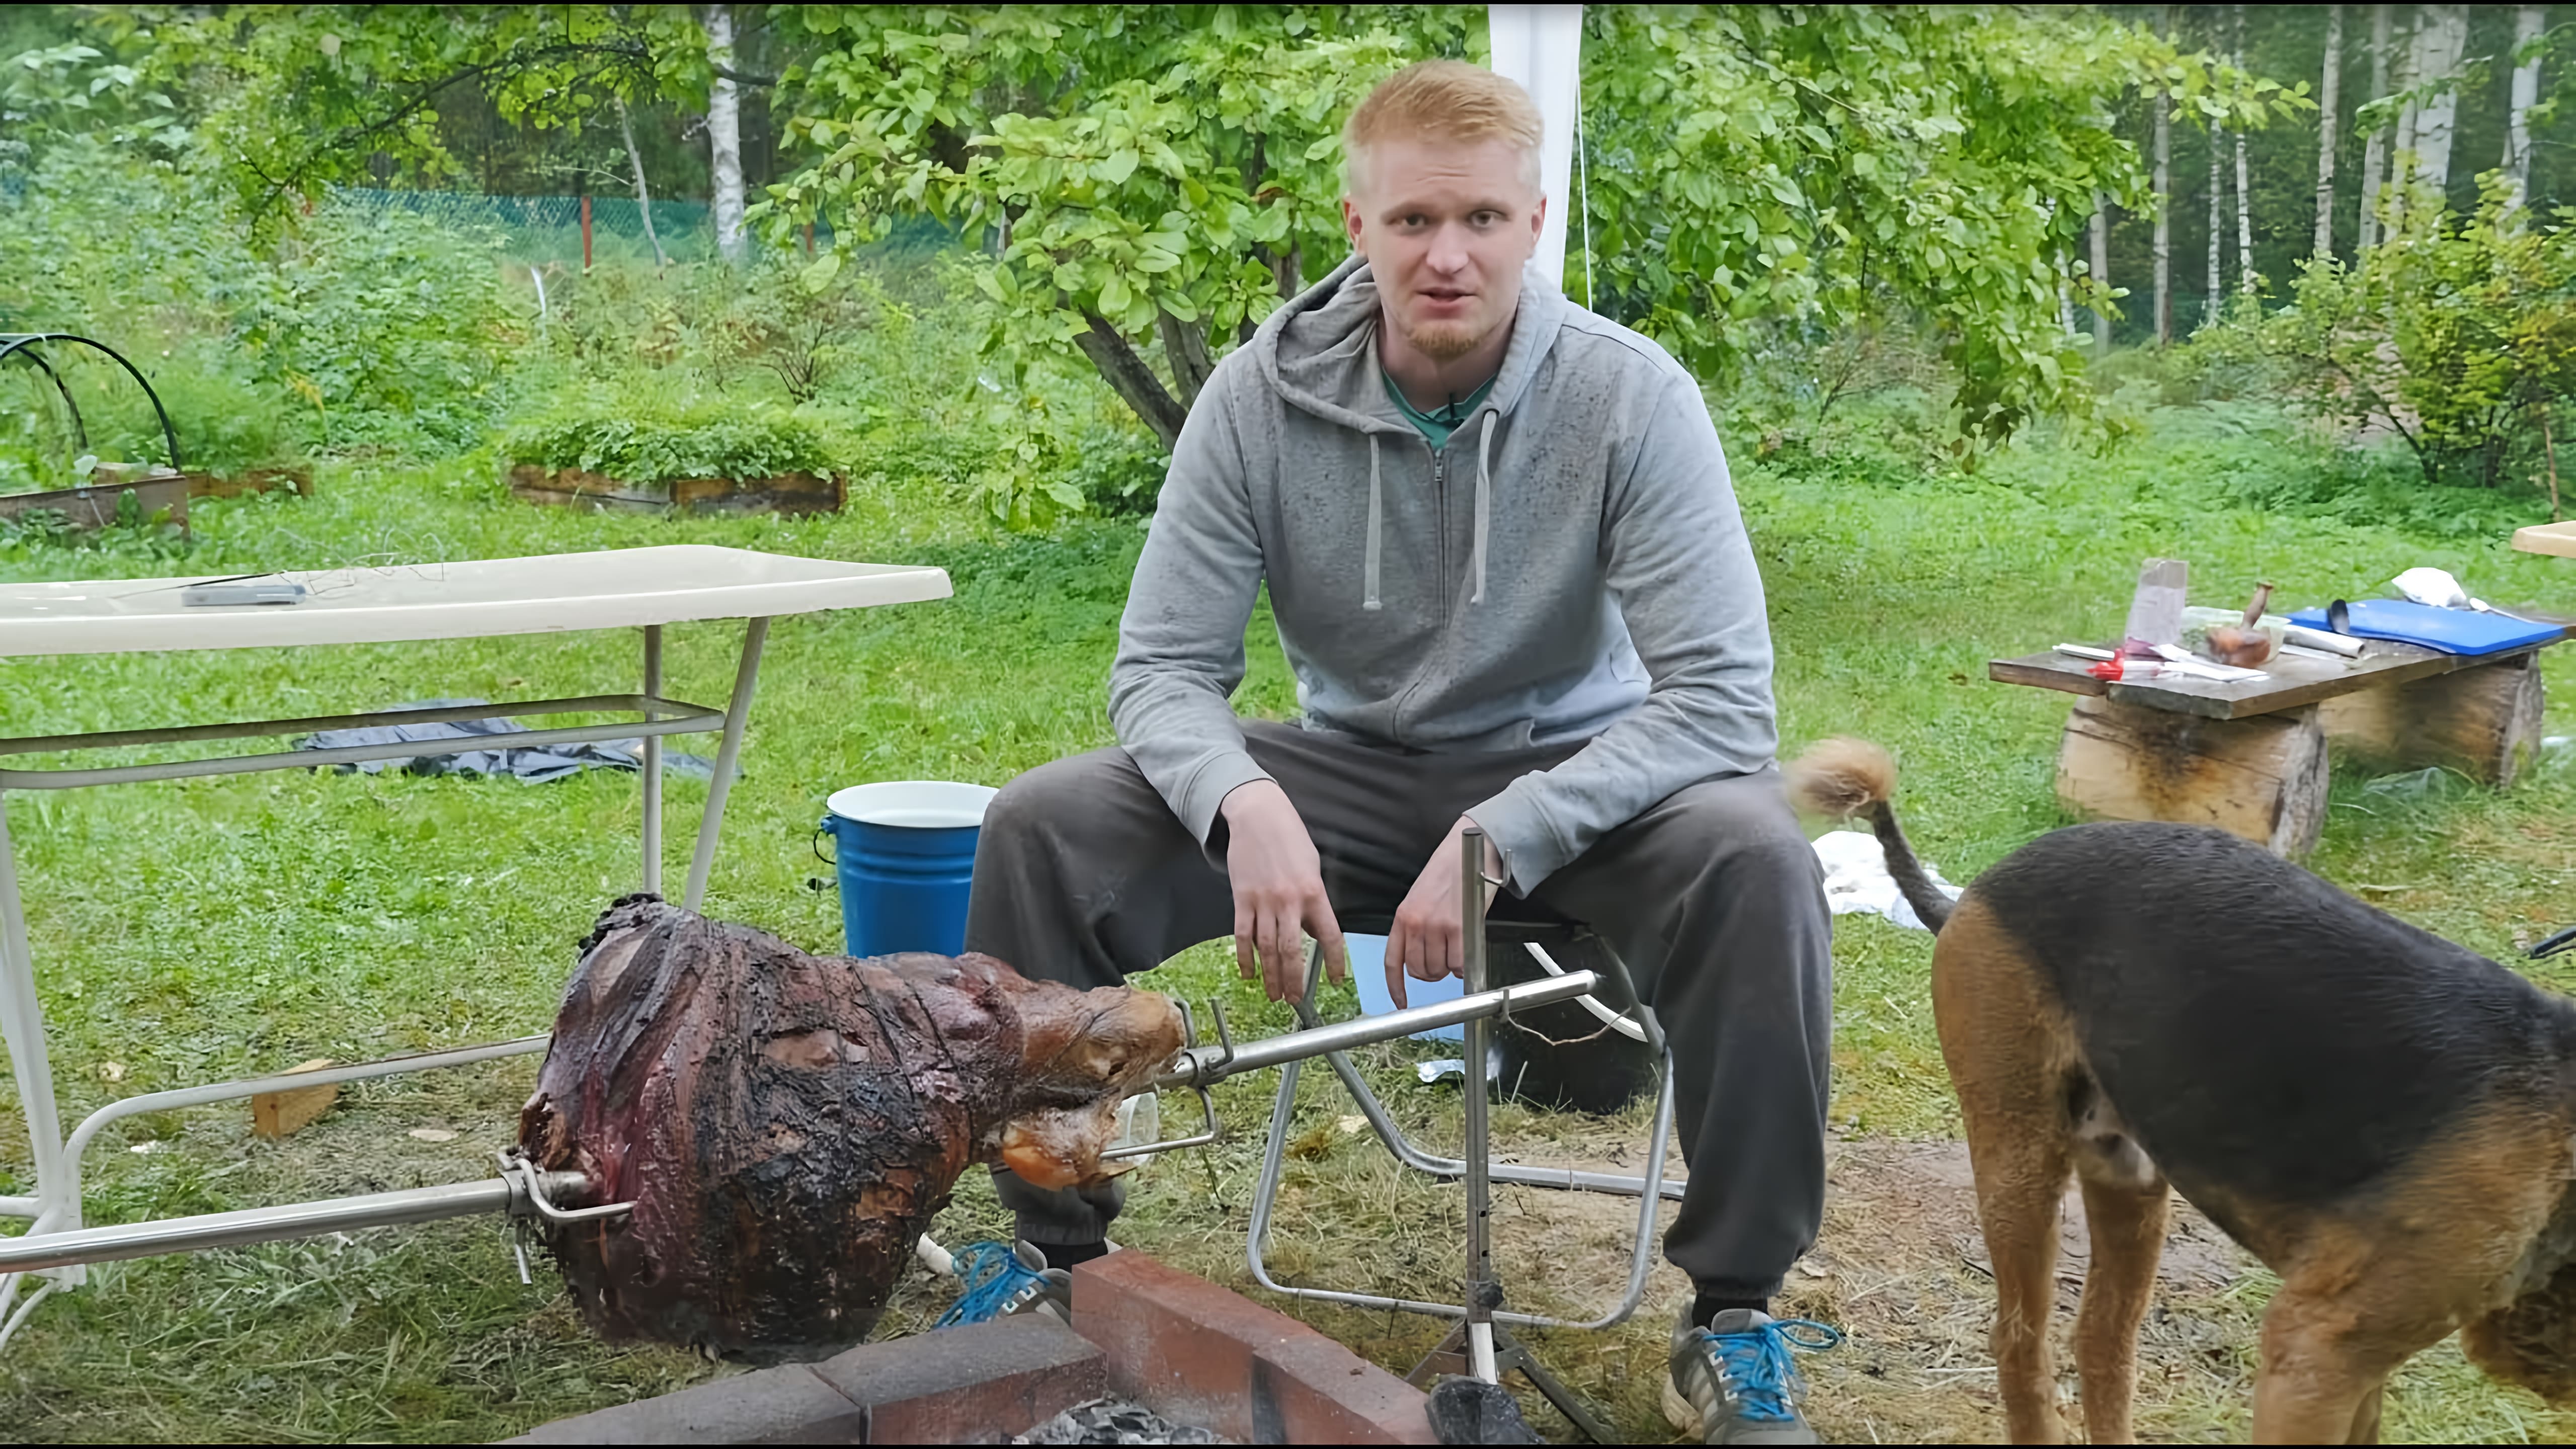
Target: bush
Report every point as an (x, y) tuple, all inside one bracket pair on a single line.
[(2455, 336), (705, 440)]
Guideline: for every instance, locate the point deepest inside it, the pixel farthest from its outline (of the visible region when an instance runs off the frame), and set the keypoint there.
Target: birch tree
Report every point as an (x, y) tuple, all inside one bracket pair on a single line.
[(2444, 33), (724, 137), (2164, 199), (2244, 197), (643, 195), (2529, 21), (2329, 84), (2374, 151), (2209, 305), (2101, 271)]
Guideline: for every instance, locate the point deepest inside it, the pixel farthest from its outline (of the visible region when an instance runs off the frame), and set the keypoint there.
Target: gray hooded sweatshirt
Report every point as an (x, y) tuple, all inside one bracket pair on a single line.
[(1571, 567)]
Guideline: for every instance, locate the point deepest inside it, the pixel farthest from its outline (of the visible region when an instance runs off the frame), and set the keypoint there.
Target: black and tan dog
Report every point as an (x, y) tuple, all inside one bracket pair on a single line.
[(2383, 1118)]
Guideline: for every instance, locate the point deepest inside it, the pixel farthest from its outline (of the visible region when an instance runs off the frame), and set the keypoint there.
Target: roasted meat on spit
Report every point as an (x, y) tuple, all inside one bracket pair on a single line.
[(787, 1125)]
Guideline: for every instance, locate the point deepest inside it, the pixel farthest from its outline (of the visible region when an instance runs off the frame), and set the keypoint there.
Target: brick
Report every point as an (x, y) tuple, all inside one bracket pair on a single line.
[(1197, 1353), (785, 1405), (1322, 1393), (975, 1384)]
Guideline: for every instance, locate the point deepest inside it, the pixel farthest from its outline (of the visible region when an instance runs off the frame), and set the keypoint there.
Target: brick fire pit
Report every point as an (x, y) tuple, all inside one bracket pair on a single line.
[(1184, 1347)]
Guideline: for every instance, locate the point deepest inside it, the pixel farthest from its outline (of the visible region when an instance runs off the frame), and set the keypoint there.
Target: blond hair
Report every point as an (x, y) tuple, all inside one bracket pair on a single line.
[(1444, 100)]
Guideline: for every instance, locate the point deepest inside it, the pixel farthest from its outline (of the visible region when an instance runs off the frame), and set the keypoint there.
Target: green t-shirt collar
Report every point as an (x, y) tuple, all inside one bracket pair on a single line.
[(1435, 427)]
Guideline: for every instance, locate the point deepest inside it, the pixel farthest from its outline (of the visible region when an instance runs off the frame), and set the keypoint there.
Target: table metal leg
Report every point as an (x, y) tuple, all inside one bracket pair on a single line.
[(737, 712), (22, 1026), (652, 763)]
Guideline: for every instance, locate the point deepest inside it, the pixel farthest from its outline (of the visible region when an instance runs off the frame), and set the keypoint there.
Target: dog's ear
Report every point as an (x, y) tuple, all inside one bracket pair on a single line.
[(2531, 1342)]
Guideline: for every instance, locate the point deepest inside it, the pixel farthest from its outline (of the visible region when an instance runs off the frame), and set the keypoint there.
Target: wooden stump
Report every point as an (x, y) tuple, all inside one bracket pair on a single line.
[(2483, 721), (2262, 778)]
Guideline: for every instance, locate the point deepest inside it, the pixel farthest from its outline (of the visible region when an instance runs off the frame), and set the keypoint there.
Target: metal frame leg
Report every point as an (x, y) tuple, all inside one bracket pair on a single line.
[(1481, 1342), (652, 763), (737, 713), (56, 1203)]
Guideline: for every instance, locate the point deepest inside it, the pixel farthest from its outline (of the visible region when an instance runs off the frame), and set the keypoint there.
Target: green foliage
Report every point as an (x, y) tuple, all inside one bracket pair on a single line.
[(1146, 170), (2458, 335), (635, 442), (1157, 177), (1759, 168), (365, 330), (302, 96)]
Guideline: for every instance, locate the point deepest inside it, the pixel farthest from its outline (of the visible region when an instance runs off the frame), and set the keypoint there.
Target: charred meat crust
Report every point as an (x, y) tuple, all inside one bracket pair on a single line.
[(787, 1124)]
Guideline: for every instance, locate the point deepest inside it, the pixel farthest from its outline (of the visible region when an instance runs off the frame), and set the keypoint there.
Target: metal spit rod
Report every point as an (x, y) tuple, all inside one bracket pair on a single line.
[(1202, 1066), (38, 1251)]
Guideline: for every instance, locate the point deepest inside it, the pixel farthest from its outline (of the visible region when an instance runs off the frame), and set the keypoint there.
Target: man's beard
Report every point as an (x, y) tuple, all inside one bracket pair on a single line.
[(1444, 341)]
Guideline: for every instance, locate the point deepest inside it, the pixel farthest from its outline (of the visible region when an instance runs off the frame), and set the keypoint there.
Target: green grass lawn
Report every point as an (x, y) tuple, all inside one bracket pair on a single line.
[(193, 931)]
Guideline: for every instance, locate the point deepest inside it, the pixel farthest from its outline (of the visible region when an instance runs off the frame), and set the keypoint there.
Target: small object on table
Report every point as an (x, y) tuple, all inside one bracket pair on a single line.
[(2155, 610), (2242, 645), (225, 593)]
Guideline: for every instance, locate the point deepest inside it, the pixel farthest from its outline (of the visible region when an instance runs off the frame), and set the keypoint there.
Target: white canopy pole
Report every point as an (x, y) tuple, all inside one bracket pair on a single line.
[(1541, 46)]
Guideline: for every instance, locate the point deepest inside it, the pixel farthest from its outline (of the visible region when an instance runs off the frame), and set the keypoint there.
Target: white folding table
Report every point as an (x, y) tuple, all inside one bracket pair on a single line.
[(645, 588)]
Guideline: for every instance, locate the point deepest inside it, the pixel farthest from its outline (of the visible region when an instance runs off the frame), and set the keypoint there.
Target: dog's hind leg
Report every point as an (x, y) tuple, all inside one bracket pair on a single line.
[(2126, 1219), (2008, 1054)]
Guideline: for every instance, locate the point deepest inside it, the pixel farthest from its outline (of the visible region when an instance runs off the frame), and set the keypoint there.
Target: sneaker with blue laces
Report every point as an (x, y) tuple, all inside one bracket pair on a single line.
[(1733, 1382)]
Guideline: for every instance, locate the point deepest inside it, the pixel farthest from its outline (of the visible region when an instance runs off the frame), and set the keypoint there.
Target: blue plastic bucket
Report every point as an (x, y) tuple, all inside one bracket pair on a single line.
[(906, 852)]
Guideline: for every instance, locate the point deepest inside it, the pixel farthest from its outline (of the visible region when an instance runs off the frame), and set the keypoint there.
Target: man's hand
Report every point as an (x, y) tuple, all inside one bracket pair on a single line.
[(1428, 942), (1278, 891)]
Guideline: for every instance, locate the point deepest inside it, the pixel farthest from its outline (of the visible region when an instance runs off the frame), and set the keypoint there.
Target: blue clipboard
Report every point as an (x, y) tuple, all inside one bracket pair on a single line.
[(2453, 631)]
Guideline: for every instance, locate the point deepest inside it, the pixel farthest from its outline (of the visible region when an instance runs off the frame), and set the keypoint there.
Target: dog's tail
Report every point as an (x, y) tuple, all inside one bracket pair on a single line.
[(1845, 778)]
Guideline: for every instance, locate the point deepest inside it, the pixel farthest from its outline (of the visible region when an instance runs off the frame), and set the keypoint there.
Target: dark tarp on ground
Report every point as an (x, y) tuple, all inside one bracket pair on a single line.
[(535, 763)]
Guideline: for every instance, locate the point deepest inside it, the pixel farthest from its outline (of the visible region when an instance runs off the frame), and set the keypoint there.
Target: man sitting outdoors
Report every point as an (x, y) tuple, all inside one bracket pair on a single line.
[(1513, 585)]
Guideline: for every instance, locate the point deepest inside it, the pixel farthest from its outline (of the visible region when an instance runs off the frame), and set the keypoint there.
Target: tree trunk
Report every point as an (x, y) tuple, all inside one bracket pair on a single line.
[(2329, 91), (2374, 150), (2447, 30), (2101, 270), (2244, 198), (2164, 217), (2528, 22), (1185, 348), (2401, 147), (643, 197), (724, 138), (1133, 381), (2209, 305)]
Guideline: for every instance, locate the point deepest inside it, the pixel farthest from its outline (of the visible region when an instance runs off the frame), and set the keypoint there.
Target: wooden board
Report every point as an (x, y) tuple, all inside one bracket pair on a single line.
[(95, 508), (276, 1114), (2289, 682), (2263, 778), (787, 493), (2485, 723), (2557, 538)]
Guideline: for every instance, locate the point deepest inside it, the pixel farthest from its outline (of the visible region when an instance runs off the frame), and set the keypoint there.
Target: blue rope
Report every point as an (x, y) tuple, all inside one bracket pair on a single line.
[(992, 1276), (1755, 1367)]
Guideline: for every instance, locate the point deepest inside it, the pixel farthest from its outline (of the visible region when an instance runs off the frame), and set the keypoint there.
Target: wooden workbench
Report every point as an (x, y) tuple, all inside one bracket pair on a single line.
[(2250, 756)]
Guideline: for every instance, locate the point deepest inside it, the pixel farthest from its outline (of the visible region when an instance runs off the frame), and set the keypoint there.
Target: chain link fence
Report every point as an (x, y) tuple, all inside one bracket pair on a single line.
[(543, 229)]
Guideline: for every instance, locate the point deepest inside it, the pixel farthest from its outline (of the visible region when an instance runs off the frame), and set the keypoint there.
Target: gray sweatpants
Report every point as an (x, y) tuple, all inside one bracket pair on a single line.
[(1713, 897)]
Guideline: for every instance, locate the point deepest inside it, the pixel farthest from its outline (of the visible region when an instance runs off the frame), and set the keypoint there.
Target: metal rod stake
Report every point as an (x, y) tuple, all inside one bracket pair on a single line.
[(652, 763), (1484, 1295)]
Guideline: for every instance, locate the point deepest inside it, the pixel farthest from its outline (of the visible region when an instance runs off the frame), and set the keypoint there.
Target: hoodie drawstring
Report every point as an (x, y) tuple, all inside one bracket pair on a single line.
[(1377, 510), (1484, 502)]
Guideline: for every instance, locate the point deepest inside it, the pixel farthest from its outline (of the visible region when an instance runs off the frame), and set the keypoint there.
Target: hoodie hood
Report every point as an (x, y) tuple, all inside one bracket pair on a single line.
[(1319, 353)]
